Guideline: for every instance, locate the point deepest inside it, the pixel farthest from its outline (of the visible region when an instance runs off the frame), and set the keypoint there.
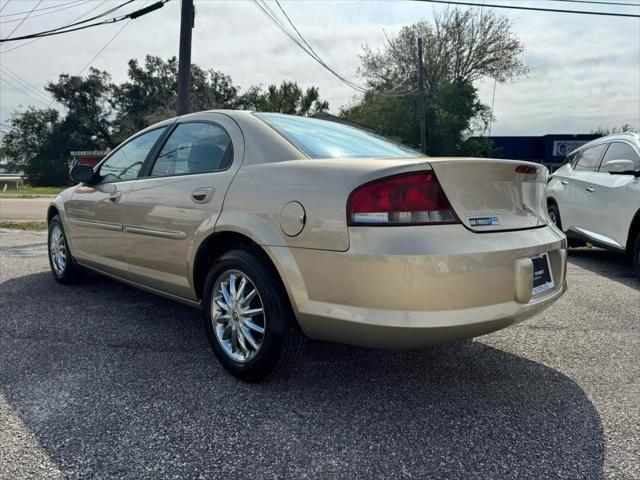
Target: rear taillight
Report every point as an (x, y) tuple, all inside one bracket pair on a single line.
[(526, 169), (406, 199)]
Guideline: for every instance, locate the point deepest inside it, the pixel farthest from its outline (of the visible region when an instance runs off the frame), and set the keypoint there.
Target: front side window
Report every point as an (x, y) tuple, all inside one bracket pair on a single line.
[(621, 151), (126, 162), (194, 148), (325, 139), (590, 158), (572, 158)]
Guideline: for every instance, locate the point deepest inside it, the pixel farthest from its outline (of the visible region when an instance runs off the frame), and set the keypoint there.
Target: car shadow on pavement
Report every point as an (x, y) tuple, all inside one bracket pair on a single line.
[(615, 266), (115, 382)]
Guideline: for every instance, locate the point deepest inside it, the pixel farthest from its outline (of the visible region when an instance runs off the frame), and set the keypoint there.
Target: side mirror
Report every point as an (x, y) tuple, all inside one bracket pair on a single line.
[(82, 173), (620, 167)]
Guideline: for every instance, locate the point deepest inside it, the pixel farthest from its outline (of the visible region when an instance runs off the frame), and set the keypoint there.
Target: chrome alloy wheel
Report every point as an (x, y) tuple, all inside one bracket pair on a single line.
[(237, 314), (58, 250), (552, 216)]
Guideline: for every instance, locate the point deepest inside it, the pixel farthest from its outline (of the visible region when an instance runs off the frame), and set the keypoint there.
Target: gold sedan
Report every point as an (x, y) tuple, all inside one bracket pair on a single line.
[(283, 227)]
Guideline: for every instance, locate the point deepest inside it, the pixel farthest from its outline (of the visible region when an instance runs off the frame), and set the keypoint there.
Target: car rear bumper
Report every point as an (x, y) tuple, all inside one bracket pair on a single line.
[(406, 287)]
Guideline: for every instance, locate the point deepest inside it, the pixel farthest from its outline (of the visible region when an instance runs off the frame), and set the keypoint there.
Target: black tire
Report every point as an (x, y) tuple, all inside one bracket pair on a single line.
[(554, 214), (282, 341), (69, 273), (636, 255)]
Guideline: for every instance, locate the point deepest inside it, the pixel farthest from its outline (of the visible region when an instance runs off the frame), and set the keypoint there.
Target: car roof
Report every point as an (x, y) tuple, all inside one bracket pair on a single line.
[(630, 137)]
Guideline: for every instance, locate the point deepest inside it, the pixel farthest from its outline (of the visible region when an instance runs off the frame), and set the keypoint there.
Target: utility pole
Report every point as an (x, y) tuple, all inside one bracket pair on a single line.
[(423, 128), (187, 16)]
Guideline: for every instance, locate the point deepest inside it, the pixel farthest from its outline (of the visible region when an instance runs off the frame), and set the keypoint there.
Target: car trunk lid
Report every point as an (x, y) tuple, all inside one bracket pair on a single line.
[(492, 194)]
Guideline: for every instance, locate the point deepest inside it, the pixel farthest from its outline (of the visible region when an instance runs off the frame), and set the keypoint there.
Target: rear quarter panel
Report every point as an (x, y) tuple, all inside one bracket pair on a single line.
[(259, 192)]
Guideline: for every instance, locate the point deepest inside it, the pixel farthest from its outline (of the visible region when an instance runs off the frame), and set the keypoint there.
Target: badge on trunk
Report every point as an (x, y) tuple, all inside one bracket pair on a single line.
[(484, 221)]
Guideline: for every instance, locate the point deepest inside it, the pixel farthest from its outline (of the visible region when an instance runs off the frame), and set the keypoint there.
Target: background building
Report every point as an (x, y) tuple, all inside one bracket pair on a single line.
[(550, 150)]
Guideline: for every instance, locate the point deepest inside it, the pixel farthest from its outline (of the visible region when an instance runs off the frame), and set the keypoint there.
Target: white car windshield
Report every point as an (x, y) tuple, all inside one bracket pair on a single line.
[(326, 139)]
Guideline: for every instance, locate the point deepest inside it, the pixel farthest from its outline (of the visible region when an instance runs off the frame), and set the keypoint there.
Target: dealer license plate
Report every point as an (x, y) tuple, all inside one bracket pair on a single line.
[(542, 277)]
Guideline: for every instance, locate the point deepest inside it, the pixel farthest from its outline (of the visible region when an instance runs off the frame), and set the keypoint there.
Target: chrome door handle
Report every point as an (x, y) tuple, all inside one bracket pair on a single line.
[(590, 190), (202, 194), (115, 196), (564, 182)]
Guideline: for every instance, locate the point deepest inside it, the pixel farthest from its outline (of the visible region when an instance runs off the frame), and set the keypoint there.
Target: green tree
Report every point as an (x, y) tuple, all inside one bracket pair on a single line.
[(89, 104), (149, 95), (151, 89), (459, 48), (477, 147), (288, 98), (35, 145), (450, 112), (627, 127), (40, 140), (212, 89), (100, 114)]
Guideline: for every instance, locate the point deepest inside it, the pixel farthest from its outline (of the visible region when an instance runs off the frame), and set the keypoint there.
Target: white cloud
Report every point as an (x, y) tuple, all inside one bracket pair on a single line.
[(585, 71)]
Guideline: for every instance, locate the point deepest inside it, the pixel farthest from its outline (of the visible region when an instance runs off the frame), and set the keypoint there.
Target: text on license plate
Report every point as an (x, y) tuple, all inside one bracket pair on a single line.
[(542, 277)]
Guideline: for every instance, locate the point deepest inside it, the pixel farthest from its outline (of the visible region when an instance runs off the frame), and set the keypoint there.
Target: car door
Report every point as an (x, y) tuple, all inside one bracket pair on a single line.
[(561, 189), (581, 188), (95, 212), (571, 194), (178, 198), (617, 196)]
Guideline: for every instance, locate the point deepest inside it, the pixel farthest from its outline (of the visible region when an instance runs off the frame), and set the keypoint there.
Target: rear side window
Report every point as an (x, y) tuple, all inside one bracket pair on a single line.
[(194, 148), (621, 151), (590, 158), (325, 139), (126, 162)]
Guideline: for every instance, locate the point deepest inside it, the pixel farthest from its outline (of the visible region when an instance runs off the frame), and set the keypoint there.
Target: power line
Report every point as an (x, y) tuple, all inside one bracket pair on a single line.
[(323, 63), (60, 30), (75, 23), (102, 49), (22, 21), (271, 16), (28, 94), (306, 47), (5, 4), (27, 85), (6, 126), (493, 99), (81, 2), (108, 43), (313, 52), (514, 7), (16, 78), (303, 45), (595, 2), (36, 39), (39, 9)]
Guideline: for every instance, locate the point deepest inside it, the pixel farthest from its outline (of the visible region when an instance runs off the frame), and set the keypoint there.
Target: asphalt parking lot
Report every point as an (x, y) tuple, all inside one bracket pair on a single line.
[(101, 380)]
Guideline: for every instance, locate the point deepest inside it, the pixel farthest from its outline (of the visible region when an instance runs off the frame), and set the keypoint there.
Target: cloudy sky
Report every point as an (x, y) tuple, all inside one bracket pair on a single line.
[(585, 70)]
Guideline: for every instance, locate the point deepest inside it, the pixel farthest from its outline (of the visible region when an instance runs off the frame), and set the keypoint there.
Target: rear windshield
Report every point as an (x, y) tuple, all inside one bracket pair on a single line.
[(325, 139)]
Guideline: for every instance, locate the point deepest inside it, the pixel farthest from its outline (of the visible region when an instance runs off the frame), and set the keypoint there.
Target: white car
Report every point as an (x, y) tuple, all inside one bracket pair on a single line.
[(595, 196)]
